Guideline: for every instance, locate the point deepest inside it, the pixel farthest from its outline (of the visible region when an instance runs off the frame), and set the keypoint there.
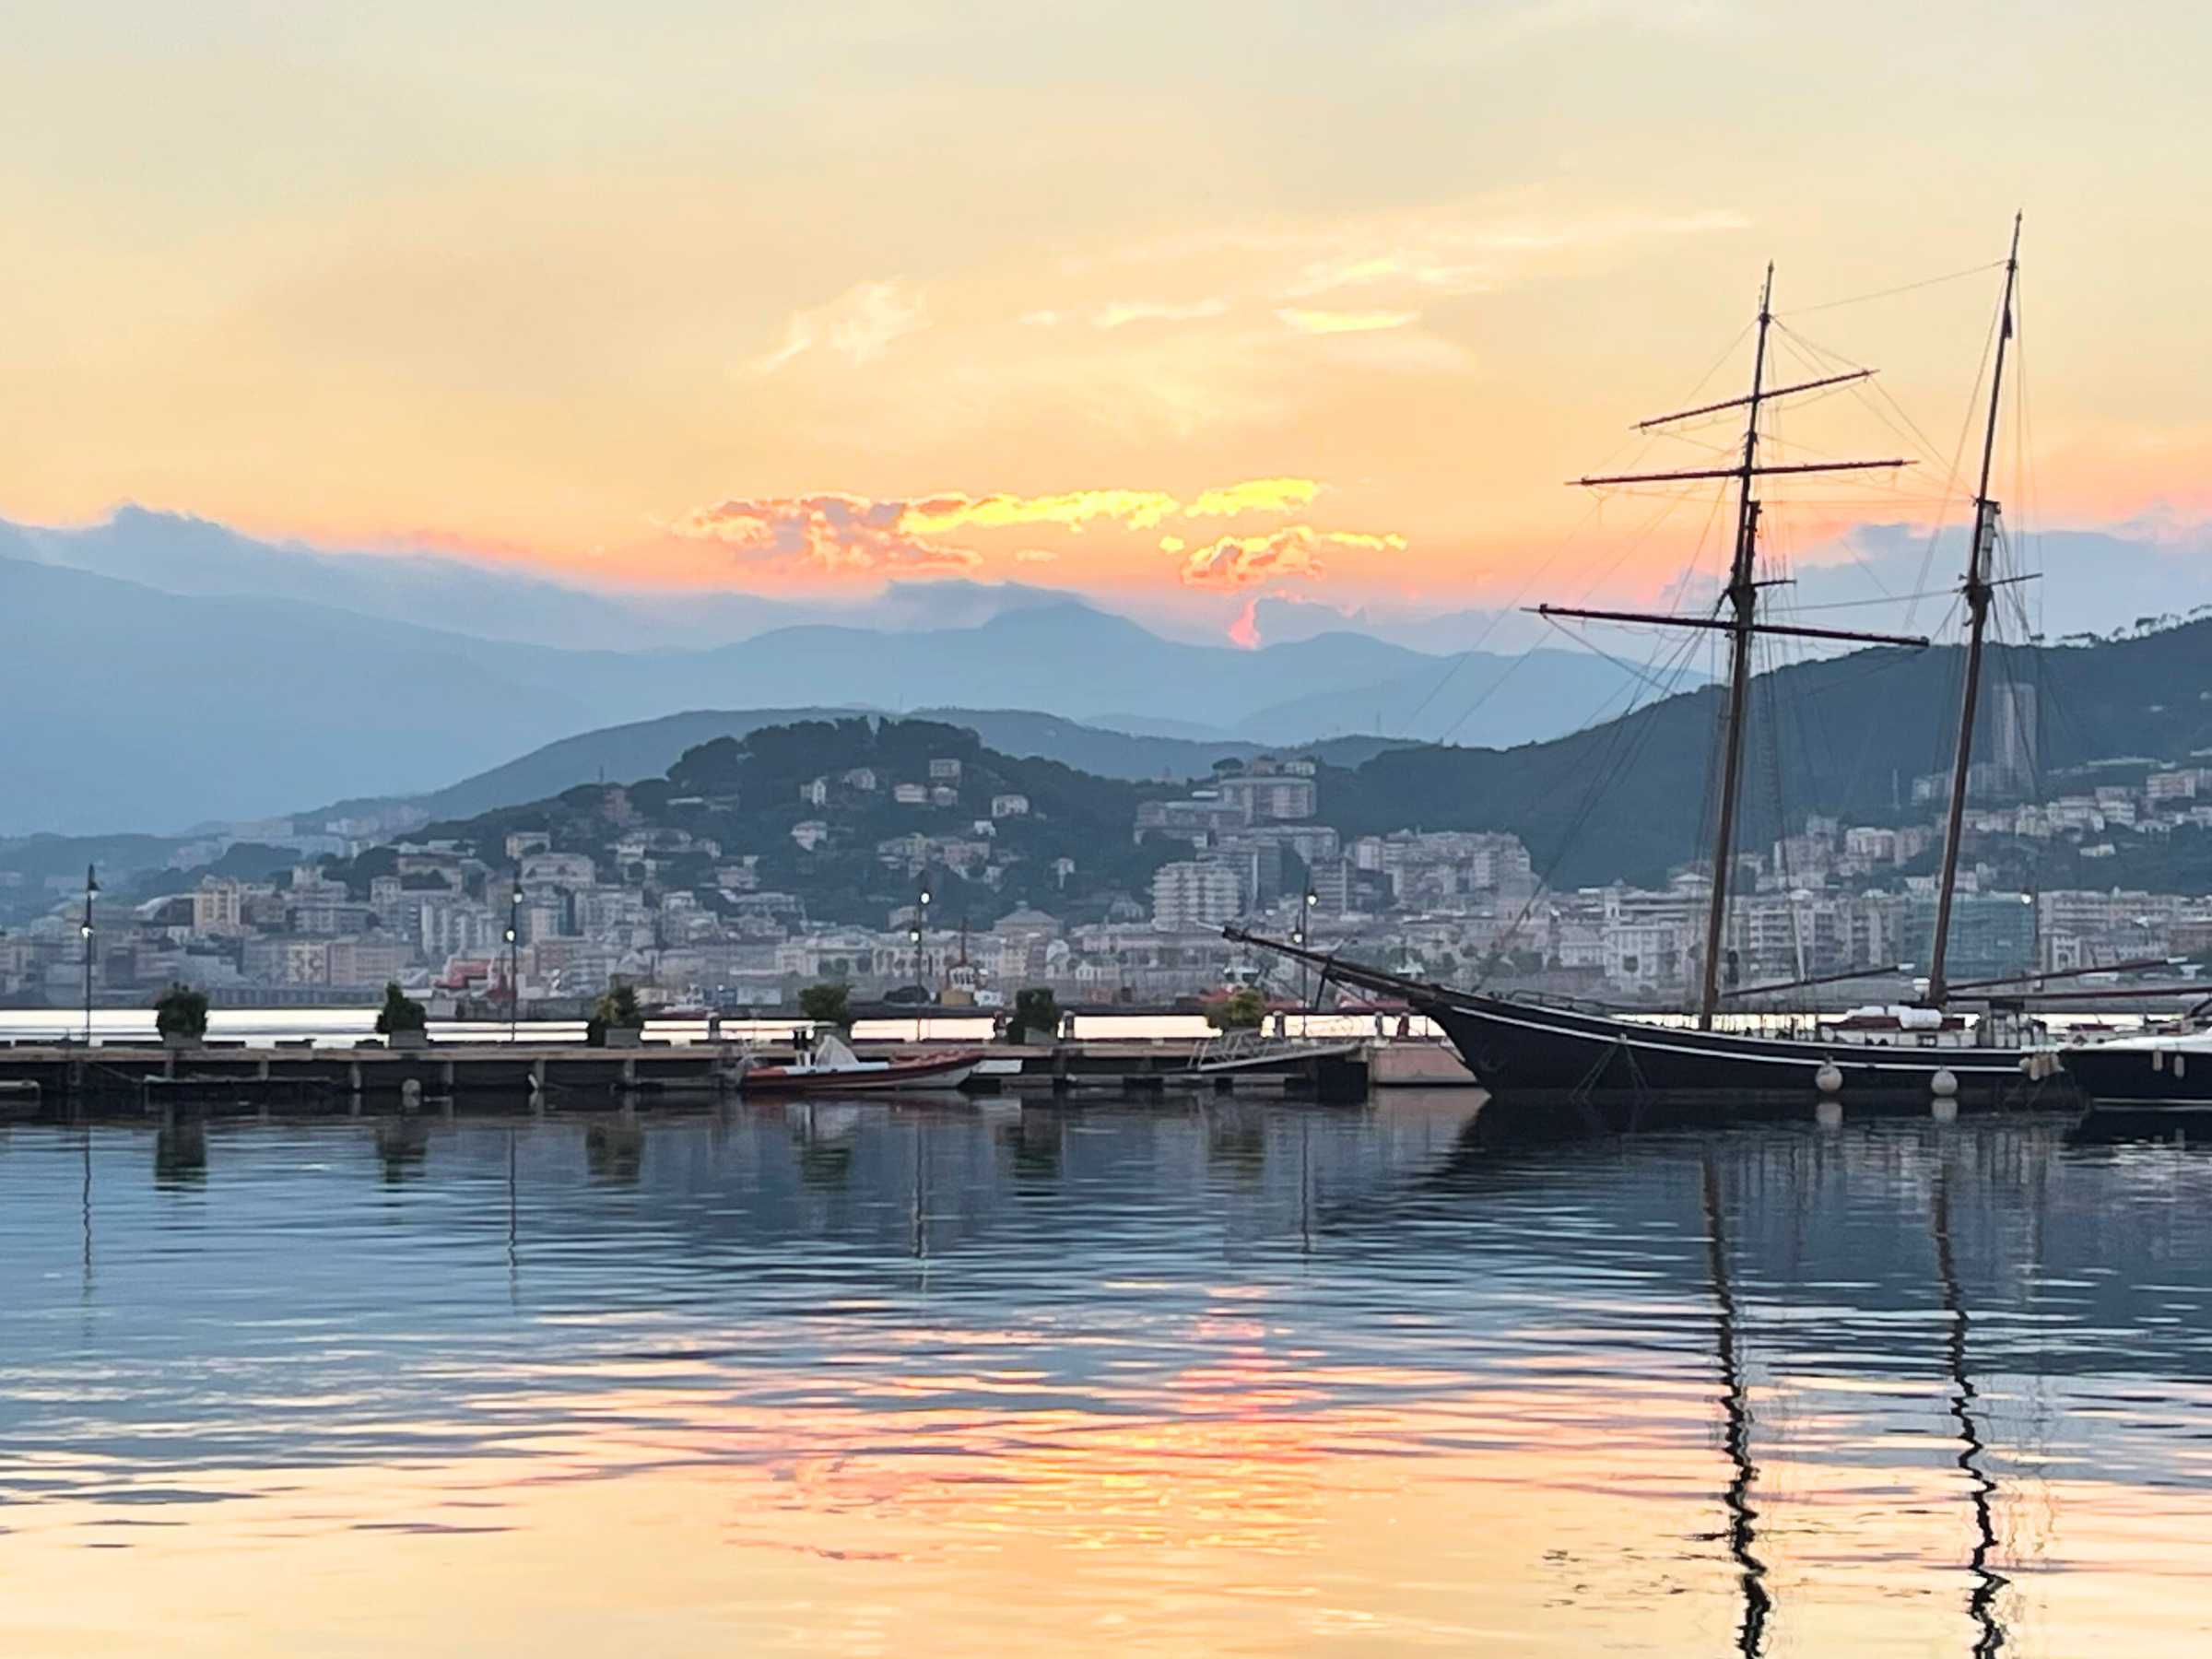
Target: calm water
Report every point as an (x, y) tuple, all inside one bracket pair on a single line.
[(1238, 1379)]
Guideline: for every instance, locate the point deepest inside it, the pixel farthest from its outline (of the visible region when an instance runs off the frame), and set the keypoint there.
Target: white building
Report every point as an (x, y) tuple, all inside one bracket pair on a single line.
[(218, 907), (1186, 894), (1262, 797)]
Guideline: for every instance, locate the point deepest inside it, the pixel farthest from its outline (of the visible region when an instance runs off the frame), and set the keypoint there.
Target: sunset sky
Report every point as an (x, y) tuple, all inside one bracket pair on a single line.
[(1172, 304)]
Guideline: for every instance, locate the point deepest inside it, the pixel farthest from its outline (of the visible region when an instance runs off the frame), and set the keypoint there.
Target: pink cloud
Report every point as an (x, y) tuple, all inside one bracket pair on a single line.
[(1244, 631)]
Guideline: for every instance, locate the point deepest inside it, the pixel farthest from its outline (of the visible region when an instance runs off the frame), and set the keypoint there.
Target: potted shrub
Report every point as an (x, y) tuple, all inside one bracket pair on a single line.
[(1243, 1010), (1036, 1017), (181, 1016), (830, 1005), (617, 1021), (402, 1022)]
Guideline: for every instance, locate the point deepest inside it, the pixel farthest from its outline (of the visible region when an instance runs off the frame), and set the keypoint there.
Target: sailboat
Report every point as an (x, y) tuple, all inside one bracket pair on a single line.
[(1532, 1042)]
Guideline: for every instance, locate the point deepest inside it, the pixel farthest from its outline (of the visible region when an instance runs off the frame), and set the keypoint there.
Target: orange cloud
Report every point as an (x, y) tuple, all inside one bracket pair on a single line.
[(830, 534), (834, 534), (1255, 495), (1242, 561), (1136, 508)]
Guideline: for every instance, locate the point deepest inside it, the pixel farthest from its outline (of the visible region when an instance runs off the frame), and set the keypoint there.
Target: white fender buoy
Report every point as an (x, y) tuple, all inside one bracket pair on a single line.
[(1829, 1079), (1944, 1085)]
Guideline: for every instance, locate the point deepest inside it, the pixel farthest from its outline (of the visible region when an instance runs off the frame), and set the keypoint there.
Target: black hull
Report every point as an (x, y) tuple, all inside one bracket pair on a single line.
[(1514, 1047), (2120, 1078)]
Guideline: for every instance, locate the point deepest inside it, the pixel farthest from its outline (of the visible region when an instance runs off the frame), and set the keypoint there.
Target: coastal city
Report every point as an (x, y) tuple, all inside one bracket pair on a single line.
[(349, 904), (1315, 831)]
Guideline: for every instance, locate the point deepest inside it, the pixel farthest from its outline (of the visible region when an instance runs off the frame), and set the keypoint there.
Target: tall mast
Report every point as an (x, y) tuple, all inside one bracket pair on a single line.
[(1741, 622), (1743, 600), (1979, 590)]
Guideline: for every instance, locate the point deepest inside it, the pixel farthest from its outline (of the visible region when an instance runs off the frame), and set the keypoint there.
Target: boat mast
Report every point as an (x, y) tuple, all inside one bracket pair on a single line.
[(1742, 621), (1979, 590), (1743, 600)]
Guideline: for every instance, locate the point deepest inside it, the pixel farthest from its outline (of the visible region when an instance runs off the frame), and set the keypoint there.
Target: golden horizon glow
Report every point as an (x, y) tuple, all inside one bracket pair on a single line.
[(551, 290)]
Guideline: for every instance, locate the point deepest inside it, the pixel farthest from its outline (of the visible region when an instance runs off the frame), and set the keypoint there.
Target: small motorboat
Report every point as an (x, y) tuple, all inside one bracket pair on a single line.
[(828, 1066)]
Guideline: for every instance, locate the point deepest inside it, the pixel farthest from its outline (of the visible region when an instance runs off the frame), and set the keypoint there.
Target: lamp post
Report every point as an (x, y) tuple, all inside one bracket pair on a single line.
[(921, 940), (84, 931), (1298, 936), (514, 951)]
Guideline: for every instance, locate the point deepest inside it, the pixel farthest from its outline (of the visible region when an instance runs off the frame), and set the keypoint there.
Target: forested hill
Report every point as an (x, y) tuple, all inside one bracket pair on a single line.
[(1843, 736), (744, 795), (1626, 800)]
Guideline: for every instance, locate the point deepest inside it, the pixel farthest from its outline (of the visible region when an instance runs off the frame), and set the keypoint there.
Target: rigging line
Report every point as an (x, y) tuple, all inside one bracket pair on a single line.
[(1617, 731), (1511, 605), (1582, 639), (2030, 479), (1489, 690), (1829, 605), (1865, 391), (1727, 351), (1927, 557), (1703, 446), (1887, 293), (1622, 557), (1782, 706), (1483, 697), (1679, 588)]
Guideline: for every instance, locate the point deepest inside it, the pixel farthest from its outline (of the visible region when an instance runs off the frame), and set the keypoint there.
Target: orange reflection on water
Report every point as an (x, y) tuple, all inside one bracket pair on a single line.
[(656, 1519), (684, 1519)]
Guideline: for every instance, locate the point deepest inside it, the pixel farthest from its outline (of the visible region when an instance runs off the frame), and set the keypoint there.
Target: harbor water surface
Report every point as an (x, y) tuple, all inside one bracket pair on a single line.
[(1130, 1377)]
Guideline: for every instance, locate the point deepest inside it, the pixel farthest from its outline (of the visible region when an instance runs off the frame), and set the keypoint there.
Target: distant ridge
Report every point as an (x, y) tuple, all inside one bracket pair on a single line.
[(135, 706)]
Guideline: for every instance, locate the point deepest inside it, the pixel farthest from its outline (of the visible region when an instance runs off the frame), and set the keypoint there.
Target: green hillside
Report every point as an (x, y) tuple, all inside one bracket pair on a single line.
[(1844, 736), (743, 794)]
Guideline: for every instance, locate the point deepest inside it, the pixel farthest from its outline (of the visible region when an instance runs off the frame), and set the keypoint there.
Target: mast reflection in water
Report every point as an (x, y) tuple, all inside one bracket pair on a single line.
[(1139, 1377)]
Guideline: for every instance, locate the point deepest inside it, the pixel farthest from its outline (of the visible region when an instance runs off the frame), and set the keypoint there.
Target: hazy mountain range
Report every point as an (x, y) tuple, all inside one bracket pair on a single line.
[(197, 674), (164, 671)]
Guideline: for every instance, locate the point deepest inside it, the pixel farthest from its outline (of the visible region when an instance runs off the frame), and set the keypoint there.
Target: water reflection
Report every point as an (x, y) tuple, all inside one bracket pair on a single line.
[(1982, 1603), (1735, 1433), (1158, 1377)]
